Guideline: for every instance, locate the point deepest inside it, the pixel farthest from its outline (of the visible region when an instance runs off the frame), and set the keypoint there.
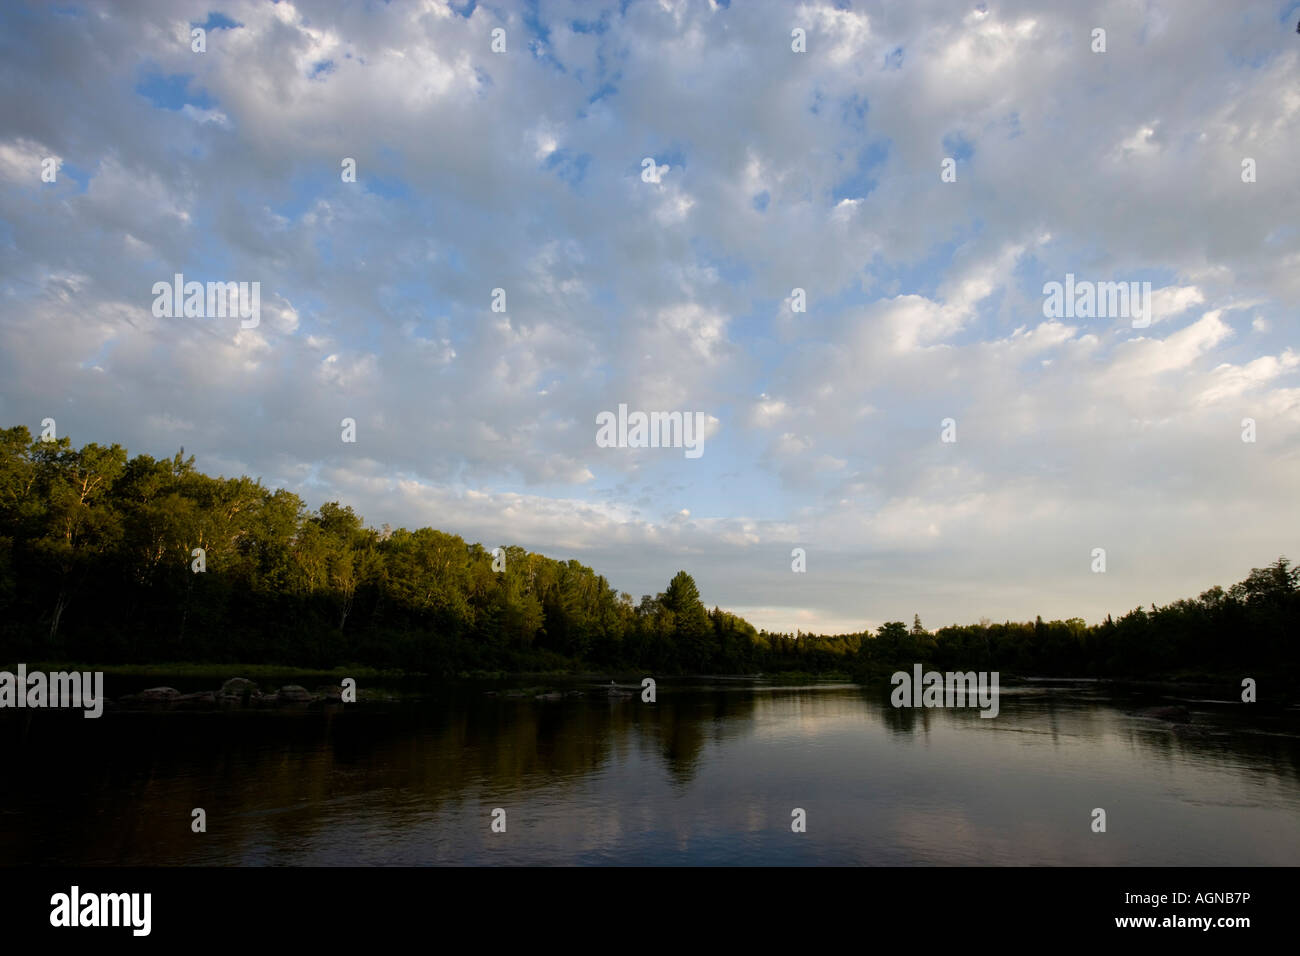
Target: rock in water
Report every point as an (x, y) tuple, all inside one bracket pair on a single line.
[(157, 694), (202, 698)]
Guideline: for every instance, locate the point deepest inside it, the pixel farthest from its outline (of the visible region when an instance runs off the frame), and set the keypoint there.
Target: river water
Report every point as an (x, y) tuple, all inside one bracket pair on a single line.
[(708, 774)]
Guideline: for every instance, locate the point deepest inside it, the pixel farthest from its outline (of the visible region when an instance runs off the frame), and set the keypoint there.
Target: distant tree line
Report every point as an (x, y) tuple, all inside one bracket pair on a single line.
[(98, 550)]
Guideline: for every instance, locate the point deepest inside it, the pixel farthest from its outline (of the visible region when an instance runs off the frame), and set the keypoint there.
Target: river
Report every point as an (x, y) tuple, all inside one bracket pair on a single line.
[(708, 774)]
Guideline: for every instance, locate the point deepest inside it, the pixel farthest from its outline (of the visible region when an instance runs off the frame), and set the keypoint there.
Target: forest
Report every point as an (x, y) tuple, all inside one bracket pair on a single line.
[(99, 551)]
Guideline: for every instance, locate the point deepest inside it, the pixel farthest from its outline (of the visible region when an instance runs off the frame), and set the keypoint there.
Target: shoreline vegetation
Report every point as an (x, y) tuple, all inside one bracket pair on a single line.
[(131, 561)]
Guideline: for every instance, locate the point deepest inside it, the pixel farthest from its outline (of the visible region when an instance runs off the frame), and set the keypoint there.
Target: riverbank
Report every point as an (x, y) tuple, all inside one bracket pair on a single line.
[(191, 670), (202, 670)]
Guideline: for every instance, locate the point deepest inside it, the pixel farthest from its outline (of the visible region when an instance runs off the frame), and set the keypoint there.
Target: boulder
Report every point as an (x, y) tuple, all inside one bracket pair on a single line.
[(240, 687), (293, 694), (207, 697), (158, 694)]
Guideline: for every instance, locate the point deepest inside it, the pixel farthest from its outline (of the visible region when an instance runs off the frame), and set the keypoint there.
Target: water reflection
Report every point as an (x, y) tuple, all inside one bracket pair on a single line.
[(704, 775)]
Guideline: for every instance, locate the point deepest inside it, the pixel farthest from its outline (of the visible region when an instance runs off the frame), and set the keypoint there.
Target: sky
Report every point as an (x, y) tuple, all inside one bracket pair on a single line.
[(775, 170)]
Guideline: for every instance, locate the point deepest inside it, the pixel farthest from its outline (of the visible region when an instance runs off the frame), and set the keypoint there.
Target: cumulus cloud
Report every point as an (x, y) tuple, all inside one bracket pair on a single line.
[(521, 171)]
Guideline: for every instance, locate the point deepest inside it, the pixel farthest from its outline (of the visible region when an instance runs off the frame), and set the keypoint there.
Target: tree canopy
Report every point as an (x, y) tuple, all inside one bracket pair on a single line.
[(98, 554)]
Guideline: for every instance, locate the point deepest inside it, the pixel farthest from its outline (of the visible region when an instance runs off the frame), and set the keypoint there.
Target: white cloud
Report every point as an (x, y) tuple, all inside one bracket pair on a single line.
[(521, 171)]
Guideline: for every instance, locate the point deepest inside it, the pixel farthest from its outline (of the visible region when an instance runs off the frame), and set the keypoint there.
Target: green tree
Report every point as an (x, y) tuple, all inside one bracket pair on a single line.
[(692, 630)]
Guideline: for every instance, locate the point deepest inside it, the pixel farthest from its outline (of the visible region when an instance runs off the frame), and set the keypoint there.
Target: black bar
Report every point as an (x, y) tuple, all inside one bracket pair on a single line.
[(258, 906)]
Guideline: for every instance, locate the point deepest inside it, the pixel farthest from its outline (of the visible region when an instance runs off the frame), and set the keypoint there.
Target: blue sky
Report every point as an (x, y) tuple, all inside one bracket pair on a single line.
[(818, 170)]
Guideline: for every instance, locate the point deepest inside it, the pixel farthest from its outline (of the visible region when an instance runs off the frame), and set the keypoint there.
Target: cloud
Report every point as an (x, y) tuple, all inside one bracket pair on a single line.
[(521, 171)]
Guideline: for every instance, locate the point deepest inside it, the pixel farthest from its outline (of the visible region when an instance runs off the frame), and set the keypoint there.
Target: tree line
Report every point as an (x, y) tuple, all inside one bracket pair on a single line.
[(98, 554)]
